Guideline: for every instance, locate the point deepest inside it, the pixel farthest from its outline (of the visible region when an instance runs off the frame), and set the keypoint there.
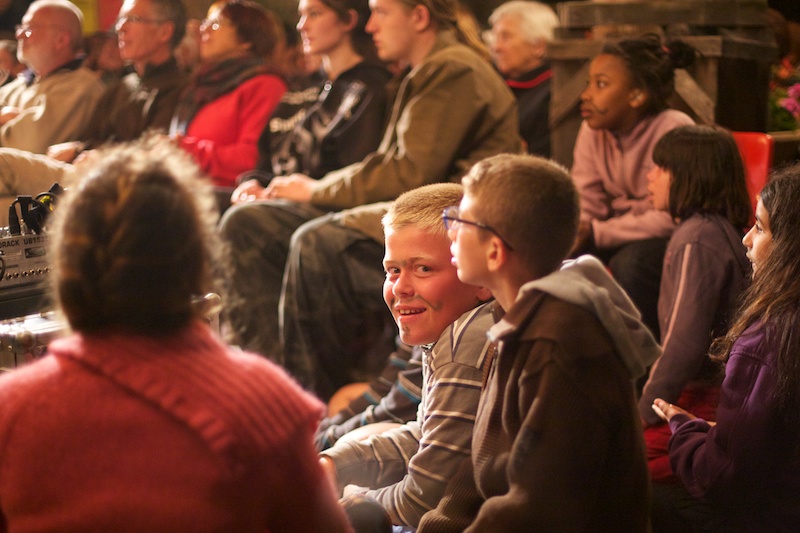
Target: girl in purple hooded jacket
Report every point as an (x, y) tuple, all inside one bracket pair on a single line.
[(743, 473)]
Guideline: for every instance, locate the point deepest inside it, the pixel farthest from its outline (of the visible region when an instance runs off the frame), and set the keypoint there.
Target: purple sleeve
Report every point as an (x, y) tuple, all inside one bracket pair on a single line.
[(693, 293), (725, 461)]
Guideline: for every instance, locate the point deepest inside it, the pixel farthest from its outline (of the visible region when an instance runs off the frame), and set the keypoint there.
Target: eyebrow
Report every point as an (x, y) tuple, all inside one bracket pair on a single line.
[(410, 260)]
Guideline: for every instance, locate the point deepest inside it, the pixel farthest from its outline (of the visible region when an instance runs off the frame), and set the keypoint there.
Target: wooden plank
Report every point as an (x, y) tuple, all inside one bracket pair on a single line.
[(707, 46), (563, 101), (694, 96), (719, 13)]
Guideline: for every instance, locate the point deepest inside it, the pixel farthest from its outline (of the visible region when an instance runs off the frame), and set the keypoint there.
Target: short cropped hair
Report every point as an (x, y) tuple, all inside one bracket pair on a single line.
[(423, 207), (529, 200), (537, 21), (175, 12), (134, 244)]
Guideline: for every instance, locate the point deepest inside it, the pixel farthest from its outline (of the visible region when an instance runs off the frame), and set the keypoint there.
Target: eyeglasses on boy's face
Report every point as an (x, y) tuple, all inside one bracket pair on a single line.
[(452, 222)]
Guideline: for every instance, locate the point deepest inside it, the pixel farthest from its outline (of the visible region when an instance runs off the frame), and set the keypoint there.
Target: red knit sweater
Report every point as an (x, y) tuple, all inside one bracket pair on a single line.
[(125, 433)]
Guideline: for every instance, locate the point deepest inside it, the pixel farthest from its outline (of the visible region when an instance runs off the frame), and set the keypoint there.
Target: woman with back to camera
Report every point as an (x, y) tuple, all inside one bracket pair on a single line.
[(233, 90), (624, 110), (742, 474), (699, 179), (334, 117), (142, 420)]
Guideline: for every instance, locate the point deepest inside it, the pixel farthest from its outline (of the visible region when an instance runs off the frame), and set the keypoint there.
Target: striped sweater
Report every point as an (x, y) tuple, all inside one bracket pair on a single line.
[(413, 463)]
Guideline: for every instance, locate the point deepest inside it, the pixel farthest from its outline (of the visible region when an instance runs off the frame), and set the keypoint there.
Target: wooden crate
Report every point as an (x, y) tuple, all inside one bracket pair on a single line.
[(728, 84)]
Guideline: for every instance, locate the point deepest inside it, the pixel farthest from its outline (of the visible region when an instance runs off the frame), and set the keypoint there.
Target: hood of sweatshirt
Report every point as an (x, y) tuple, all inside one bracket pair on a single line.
[(585, 282)]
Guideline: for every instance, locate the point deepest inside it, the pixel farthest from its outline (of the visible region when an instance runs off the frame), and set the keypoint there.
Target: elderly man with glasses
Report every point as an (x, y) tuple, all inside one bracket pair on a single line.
[(148, 32), (53, 100)]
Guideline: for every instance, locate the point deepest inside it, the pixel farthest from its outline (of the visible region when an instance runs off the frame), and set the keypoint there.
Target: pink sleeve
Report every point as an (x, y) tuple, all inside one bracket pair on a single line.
[(586, 177)]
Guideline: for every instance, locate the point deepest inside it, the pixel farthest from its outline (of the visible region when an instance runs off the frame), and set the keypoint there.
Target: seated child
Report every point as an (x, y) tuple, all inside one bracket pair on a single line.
[(699, 180), (624, 107), (557, 444), (409, 467), (742, 474)]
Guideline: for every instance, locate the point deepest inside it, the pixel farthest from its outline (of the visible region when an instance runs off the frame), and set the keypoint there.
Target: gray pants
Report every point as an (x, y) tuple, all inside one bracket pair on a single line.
[(306, 293)]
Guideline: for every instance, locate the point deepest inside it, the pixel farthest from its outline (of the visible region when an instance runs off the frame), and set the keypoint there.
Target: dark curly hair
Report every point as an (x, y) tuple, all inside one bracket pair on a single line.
[(652, 65)]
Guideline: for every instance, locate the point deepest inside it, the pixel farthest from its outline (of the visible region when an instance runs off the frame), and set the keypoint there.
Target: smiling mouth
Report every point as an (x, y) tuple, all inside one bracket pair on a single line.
[(409, 312)]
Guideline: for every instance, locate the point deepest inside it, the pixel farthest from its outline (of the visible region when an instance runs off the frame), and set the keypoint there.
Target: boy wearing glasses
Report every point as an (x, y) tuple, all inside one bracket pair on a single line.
[(557, 441), (411, 465)]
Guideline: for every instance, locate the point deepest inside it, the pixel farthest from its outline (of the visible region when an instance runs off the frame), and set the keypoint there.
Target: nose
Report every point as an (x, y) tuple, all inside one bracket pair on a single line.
[(747, 240), (371, 26), (403, 285), (651, 175), (301, 23), (452, 232)]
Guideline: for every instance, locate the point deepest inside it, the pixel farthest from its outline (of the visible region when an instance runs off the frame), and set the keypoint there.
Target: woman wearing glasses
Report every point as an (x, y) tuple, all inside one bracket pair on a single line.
[(233, 91)]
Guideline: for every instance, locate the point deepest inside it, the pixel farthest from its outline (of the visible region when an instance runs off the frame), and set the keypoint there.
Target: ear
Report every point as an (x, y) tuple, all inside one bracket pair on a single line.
[(165, 31), (62, 40), (540, 48), (638, 98), (352, 15), (496, 254), (420, 17)]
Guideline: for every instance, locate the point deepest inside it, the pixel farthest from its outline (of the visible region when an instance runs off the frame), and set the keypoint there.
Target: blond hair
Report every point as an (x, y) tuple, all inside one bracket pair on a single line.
[(423, 207)]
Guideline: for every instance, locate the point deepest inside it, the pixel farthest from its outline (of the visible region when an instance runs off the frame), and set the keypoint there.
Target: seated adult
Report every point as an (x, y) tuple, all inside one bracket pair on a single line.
[(102, 57), (232, 92), (451, 109), (142, 420), (55, 99), (332, 117), (148, 31), (520, 33)]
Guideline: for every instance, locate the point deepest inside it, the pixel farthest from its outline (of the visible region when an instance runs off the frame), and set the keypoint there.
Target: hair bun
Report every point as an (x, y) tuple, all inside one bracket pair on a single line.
[(681, 54)]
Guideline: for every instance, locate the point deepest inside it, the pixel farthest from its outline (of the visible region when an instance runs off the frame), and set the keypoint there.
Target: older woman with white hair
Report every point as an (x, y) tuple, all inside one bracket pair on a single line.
[(518, 41)]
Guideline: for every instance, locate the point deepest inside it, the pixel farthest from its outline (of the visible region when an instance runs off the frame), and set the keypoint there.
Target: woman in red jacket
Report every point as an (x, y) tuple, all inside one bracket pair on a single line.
[(233, 91)]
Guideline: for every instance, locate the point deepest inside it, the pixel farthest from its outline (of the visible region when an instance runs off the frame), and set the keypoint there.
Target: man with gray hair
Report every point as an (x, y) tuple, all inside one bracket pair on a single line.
[(54, 102), (148, 31), (518, 42)]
